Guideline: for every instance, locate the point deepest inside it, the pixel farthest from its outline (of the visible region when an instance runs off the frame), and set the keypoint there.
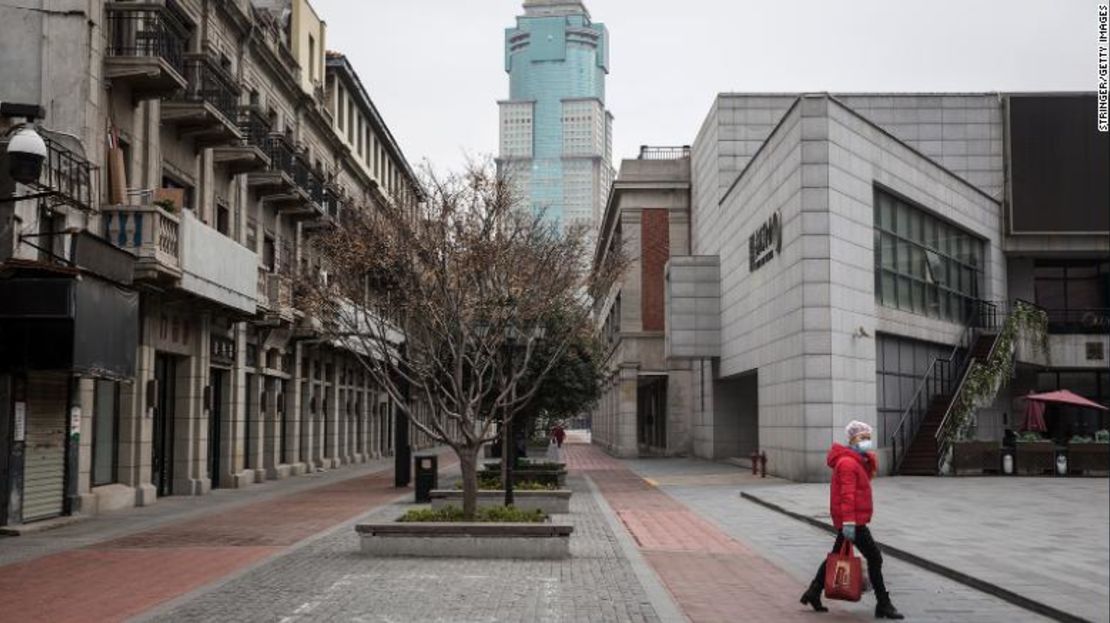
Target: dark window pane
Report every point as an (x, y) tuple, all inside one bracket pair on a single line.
[(1046, 382), (1049, 293), (889, 294), (104, 434), (1047, 271), (905, 298)]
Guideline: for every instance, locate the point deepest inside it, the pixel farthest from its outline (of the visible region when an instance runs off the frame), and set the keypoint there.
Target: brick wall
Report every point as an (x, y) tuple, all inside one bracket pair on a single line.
[(655, 237)]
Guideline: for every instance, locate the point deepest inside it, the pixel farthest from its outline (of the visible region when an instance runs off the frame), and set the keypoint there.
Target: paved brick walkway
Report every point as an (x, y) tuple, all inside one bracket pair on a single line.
[(330, 580), (711, 576), (119, 578)]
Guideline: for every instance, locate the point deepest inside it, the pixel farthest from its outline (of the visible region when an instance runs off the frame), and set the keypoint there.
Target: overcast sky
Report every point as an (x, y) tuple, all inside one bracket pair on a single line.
[(435, 67)]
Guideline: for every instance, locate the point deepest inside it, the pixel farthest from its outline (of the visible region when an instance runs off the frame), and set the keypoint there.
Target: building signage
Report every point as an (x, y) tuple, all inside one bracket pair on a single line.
[(20, 432), (765, 242)]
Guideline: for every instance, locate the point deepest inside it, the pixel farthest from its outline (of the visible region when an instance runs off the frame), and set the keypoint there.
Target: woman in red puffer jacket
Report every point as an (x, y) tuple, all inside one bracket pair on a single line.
[(850, 505)]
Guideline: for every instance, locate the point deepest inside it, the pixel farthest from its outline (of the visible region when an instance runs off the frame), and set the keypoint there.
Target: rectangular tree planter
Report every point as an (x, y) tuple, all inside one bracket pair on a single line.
[(1090, 459), (973, 458), (542, 476), (466, 540), (550, 502), (1035, 459)]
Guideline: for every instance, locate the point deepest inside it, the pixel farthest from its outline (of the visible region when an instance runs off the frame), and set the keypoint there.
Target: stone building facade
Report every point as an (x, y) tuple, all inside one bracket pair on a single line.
[(844, 248), (214, 140), (643, 407)]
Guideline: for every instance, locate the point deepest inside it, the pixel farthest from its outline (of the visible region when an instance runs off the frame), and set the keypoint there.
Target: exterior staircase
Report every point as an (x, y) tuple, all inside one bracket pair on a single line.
[(922, 456)]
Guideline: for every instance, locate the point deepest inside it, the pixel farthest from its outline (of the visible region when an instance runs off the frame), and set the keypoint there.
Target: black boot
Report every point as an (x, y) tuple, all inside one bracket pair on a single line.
[(886, 610), (812, 597)]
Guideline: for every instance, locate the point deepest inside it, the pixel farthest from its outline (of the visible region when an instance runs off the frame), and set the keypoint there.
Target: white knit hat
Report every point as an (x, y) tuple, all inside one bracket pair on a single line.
[(856, 427)]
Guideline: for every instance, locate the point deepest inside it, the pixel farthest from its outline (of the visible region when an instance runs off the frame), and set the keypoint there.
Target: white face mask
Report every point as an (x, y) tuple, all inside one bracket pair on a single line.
[(865, 445)]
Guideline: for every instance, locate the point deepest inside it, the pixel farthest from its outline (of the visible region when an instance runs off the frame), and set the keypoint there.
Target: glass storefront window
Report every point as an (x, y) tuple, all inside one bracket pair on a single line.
[(1075, 293), (923, 264)]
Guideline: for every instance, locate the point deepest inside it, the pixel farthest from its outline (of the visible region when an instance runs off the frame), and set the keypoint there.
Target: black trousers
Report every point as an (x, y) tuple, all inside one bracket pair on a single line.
[(870, 552)]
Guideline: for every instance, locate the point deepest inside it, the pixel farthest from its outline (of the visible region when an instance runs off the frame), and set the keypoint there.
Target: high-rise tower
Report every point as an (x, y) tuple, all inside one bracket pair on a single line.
[(556, 135)]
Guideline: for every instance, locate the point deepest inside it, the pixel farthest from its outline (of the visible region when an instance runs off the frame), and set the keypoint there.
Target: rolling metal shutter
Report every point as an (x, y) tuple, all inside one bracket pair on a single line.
[(44, 464)]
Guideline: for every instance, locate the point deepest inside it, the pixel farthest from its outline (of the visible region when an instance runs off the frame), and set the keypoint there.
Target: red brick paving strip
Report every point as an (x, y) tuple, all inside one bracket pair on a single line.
[(711, 576), (117, 579)]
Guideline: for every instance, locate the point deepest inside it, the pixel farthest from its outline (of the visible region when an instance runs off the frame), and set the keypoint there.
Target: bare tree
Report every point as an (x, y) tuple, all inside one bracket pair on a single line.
[(442, 303)]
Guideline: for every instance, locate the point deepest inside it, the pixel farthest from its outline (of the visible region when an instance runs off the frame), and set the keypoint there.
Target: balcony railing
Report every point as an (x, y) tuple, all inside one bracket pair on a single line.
[(279, 292), (280, 153), (263, 287), (210, 84), (254, 126), (648, 152), (1079, 321), (146, 30), (149, 232), (68, 175)]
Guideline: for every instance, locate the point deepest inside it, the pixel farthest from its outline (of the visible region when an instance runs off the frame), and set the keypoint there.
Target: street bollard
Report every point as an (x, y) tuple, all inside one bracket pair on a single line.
[(762, 464)]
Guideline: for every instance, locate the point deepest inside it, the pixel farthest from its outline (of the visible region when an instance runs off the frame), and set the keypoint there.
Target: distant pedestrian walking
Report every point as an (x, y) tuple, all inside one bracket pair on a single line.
[(850, 505), (558, 434)]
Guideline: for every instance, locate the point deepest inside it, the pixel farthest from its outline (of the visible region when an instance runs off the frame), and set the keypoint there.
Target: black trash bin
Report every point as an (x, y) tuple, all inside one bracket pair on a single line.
[(427, 476)]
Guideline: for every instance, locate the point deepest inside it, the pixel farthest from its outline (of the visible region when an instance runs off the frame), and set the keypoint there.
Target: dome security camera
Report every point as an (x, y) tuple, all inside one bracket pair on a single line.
[(26, 153)]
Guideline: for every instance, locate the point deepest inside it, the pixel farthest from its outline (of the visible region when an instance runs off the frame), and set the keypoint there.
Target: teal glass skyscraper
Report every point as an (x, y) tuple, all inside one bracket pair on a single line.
[(556, 134)]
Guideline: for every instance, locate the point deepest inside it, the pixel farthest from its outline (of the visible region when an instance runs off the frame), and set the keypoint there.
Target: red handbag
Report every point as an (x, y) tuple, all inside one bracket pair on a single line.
[(843, 574)]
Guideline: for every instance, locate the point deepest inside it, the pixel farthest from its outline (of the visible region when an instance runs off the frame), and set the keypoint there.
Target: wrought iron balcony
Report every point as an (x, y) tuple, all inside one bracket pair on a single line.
[(66, 178), (208, 108), (249, 154), (146, 47)]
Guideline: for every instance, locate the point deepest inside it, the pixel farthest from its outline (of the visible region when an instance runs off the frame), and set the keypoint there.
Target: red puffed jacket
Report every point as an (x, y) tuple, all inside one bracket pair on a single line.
[(850, 494)]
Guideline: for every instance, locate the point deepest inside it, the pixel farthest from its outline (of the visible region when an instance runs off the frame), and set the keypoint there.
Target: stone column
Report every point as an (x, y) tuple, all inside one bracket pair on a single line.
[(295, 404), (191, 415), (232, 428), (332, 450), (136, 426)]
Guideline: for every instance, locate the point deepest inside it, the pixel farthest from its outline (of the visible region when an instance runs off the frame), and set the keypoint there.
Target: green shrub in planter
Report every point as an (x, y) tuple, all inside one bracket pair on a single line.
[(492, 514), (1102, 436), (527, 485)]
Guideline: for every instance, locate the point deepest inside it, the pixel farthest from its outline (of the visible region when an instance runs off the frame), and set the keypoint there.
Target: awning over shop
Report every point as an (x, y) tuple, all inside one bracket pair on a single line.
[(83, 324)]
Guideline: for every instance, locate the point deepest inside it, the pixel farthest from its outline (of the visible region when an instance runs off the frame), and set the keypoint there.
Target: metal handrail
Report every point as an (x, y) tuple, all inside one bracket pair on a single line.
[(939, 376), (941, 435)]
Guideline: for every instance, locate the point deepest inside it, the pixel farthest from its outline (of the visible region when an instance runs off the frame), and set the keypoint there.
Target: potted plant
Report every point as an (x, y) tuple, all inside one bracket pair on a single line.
[(1034, 455), (1090, 456), (972, 458), (166, 204)]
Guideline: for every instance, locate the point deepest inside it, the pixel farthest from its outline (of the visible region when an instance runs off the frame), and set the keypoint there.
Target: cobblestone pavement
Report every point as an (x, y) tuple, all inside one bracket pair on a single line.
[(1043, 538), (330, 580), (711, 575), (712, 491), (114, 576)]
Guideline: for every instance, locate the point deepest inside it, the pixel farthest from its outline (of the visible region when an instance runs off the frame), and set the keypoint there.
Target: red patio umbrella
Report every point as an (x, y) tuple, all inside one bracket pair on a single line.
[(1034, 416), (1065, 397)]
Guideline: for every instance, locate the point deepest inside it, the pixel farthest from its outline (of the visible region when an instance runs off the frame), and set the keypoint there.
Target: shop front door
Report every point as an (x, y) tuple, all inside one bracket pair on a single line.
[(161, 459), (215, 424)]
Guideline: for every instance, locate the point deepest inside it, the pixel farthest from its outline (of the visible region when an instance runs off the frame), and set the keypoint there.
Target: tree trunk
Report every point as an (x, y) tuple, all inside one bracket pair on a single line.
[(468, 464), (506, 452)]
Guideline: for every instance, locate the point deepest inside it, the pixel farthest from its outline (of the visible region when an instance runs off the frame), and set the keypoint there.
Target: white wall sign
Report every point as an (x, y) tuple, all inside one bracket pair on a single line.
[(20, 432)]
